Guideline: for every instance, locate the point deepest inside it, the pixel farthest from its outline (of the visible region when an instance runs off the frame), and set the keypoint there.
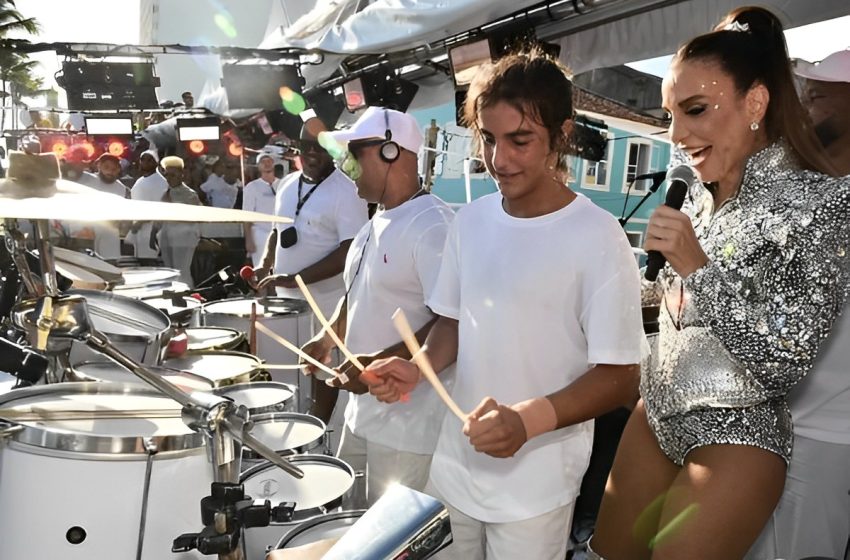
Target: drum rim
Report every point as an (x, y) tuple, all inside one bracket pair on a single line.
[(21, 316), (64, 440), (260, 410), (312, 522), (306, 458), (146, 269), (302, 449), (131, 302), (247, 314), (240, 337), (155, 369)]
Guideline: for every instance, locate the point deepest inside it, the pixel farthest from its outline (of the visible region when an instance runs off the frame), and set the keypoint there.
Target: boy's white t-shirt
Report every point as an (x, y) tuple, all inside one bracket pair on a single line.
[(403, 250), (539, 301), (333, 214)]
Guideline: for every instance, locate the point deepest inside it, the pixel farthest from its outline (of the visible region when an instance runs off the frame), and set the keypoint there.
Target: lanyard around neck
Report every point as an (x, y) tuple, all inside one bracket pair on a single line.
[(303, 201)]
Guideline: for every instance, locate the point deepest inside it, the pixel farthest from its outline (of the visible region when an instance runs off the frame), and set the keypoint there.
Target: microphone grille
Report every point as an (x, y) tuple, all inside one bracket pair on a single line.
[(682, 172)]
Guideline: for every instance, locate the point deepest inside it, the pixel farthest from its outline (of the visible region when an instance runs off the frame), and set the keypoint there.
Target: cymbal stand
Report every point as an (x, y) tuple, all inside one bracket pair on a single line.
[(16, 245), (226, 512)]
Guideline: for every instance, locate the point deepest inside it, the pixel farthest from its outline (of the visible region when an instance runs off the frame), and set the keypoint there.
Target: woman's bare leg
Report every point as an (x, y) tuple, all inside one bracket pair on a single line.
[(719, 502), (631, 508)]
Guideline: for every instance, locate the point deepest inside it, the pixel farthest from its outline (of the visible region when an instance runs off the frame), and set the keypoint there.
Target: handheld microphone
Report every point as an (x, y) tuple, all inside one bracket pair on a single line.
[(679, 180)]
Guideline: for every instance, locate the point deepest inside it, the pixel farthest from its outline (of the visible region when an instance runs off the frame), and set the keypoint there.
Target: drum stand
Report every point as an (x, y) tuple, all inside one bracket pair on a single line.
[(57, 319)]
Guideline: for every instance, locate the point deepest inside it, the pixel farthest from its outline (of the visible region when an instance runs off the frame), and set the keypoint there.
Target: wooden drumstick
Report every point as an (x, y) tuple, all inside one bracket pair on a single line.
[(325, 325), (409, 338), (252, 330), (291, 347)]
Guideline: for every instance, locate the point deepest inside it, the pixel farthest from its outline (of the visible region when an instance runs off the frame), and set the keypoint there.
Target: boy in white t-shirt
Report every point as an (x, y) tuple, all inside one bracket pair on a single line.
[(538, 299), (392, 263)]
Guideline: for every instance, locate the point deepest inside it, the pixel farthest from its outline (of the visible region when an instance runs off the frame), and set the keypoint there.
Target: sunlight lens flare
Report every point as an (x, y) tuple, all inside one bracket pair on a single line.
[(292, 101)]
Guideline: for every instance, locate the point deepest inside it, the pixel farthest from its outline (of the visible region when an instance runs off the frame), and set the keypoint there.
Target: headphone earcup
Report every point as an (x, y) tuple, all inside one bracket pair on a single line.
[(389, 151)]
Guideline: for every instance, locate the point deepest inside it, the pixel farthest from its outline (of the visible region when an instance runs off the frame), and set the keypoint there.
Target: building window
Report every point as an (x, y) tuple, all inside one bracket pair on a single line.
[(596, 173), (638, 157), (635, 238)]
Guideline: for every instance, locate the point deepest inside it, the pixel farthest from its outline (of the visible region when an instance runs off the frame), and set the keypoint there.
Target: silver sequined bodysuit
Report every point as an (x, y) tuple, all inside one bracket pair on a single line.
[(738, 333)]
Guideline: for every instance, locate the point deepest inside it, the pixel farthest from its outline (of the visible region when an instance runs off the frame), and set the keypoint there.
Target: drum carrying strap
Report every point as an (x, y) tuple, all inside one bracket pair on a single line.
[(151, 449)]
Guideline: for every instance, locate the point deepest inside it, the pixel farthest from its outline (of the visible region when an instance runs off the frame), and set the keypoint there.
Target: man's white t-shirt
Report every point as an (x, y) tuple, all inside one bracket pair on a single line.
[(259, 196), (820, 403), (220, 193), (332, 214), (107, 243), (539, 301), (150, 188), (400, 263)]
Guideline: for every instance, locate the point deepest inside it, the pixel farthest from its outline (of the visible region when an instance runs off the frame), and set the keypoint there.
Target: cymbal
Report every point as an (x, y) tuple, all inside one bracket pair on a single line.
[(72, 201)]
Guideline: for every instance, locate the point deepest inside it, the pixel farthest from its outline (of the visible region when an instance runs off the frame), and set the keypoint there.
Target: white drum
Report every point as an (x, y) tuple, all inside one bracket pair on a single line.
[(76, 480), (110, 372), (206, 339), (138, 330), (222, 368), (326, 480), (289, 432), (181, 310), (290, 318), (137, 276), (322, 527), (261, 397)]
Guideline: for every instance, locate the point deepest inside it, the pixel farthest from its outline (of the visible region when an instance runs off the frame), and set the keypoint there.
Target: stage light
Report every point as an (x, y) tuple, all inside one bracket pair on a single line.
[(89, 148), (234, 149), (59, 148), (116, 148), (381, 88), (197, 147)]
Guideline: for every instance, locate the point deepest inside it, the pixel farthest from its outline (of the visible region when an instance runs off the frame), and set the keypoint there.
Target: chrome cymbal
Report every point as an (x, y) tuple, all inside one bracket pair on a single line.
[(72, 201)]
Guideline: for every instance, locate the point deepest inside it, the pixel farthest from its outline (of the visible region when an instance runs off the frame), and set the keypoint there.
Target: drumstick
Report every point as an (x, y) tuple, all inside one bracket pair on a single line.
[(288, 345), (326, 326), (252, 330), (409, 338)]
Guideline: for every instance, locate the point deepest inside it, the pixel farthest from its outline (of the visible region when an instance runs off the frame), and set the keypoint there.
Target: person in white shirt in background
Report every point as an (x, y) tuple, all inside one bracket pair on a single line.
[(222, 186), (812, 518), (326, 214), (392, 263), (177, 240), (107, 243), (259, 196), (538, 298), (150, 186)]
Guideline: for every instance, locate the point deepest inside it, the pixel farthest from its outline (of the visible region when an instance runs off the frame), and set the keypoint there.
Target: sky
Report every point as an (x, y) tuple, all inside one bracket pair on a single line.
[(117, 21)]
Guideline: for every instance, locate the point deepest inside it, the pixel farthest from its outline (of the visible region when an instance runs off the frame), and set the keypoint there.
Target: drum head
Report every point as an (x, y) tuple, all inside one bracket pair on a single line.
[(103, 418), (222, 368), (111, 372), (326, 480), (260, 397), (266, 307), (212, 338), (288, 431), (146, 275), (327, 526)]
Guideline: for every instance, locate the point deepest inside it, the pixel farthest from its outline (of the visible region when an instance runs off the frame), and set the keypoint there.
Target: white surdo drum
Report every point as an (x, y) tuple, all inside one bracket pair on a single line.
[(83, 464)]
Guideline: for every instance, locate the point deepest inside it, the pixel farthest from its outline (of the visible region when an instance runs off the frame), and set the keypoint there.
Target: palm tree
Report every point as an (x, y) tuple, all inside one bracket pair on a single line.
[(15, 66)]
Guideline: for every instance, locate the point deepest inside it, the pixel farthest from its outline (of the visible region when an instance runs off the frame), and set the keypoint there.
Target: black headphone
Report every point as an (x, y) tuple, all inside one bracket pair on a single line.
[(389, 150)]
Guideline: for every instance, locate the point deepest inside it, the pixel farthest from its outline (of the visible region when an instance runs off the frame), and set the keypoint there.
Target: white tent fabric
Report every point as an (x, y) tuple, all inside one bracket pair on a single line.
[(610, 32)]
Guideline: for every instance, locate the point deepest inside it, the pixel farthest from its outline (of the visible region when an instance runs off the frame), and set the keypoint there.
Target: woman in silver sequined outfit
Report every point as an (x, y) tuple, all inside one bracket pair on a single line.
[(757, 274)]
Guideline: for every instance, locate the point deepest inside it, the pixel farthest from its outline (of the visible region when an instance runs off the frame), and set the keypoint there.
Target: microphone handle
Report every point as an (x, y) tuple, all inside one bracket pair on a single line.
[(655, 259)]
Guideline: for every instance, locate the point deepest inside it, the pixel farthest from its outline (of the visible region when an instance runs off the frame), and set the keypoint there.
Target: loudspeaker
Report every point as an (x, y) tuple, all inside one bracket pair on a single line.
[(258, 86), (81, 98), (107, 74)]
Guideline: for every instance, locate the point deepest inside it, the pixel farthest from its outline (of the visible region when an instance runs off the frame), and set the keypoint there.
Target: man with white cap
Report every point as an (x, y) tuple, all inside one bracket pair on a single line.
[(150, 186), (813, 515), (259, 196), (392, 264), (178, 240), (326, 214), (826, 94)]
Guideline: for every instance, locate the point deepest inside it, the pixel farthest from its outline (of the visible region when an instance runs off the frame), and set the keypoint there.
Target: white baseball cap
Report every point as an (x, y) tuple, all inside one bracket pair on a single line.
[(374, 123), (152, 153), (834, 68)]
